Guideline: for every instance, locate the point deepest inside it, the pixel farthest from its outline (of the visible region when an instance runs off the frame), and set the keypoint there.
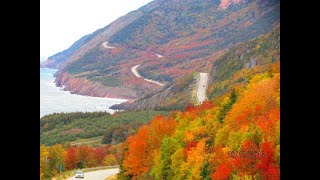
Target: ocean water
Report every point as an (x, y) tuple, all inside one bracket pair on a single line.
[(53, 99)]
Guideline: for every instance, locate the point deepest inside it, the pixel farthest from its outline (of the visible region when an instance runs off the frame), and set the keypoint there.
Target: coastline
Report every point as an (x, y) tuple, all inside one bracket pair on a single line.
[(63, 101), (85, 87)]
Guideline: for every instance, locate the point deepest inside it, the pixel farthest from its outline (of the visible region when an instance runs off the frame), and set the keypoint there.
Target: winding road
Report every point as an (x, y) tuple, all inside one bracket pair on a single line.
[(135, 72), (98, 175), (202, 86), (134, 68)]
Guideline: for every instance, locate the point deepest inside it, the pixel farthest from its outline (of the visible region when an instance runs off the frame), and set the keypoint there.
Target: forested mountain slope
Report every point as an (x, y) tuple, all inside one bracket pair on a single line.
[(168, 39), (233, 69), (234, 136)]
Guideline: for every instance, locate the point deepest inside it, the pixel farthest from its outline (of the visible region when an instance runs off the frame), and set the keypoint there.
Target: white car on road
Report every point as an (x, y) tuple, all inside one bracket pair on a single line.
[(79, 174)]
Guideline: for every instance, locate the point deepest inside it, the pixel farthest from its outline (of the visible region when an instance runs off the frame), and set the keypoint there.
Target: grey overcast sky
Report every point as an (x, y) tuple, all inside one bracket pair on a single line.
[(62, 22)]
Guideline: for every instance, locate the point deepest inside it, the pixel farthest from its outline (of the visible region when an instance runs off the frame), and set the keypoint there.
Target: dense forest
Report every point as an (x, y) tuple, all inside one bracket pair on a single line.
[(60, 128), (235, 136), (163, 132)]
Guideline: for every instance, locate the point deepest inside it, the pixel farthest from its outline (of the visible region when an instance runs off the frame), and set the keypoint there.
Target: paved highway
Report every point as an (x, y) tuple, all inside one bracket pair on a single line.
[(202, 86), (98, 175), (135, 72)]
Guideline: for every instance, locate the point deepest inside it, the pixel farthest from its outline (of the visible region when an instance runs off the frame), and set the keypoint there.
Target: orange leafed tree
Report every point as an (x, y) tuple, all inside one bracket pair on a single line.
[(135, 161), (142, 146)]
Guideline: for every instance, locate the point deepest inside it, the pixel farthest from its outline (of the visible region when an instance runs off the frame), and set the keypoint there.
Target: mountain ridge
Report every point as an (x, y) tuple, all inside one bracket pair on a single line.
[(188, 34)]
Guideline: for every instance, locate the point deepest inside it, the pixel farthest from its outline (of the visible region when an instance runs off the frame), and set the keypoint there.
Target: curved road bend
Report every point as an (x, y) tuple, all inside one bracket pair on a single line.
[(134, 68), (202, 86), (98, 175), (105, 45), (136, 73)]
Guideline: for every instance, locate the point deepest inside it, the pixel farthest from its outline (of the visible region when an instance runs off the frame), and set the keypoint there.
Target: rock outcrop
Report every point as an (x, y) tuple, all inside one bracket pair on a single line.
[(83, 86)]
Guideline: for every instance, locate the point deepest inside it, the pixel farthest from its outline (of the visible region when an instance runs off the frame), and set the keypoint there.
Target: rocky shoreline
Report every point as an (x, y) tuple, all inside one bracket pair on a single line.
[(86, 87)]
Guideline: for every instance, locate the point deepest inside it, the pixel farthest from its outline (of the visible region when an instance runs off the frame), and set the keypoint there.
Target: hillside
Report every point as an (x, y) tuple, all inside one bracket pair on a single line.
[(168, 39), (61, 128), (56, 60), (237, 66), (234, 136), (174, 96), (153, 57), (233, 69)]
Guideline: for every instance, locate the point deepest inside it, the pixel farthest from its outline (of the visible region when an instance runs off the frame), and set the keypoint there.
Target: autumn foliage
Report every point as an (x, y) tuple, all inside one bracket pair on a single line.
[(74, 157), (142, 146), (236, 136)]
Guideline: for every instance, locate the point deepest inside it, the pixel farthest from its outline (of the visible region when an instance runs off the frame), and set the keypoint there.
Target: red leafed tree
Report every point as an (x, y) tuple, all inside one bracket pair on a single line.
[(190, 145), (246, 159), (222, 167), (222, 173), (196, 109), (273, 173), (99, 153), (191, 112), (205, 106), (267, 166), (71, 158), (267, 122), (84, 155)]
